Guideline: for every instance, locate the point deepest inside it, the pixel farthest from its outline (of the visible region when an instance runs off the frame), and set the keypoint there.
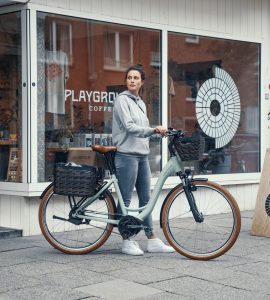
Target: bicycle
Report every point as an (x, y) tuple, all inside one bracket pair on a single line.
[(200, 219)]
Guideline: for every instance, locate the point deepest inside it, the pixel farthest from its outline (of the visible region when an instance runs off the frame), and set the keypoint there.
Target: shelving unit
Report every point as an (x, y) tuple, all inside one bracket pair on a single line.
[(10, 152), (14, 172)]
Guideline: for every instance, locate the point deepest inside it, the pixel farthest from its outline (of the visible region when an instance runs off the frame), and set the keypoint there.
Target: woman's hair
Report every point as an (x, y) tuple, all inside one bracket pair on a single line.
[(138, 68)]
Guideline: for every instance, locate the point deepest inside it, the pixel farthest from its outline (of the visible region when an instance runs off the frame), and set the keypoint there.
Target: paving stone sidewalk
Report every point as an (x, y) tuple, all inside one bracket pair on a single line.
[(31, 269)]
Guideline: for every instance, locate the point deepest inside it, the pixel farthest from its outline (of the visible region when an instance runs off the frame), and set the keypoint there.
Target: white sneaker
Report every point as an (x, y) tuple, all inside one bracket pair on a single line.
[(131, 247), (156, 245)]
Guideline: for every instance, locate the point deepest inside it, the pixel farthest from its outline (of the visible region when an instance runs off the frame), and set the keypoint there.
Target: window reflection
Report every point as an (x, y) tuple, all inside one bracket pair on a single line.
[(190, 64), (76, 96), (10, 98)]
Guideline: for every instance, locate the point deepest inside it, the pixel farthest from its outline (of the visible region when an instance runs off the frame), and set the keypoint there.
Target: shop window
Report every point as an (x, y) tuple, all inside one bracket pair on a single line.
[(229, 121), (75, 102), (10, 98), (118, 53)]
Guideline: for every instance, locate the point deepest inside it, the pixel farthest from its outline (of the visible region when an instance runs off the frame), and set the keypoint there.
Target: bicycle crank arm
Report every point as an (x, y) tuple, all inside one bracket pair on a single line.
[(59, 218), (75, 221)]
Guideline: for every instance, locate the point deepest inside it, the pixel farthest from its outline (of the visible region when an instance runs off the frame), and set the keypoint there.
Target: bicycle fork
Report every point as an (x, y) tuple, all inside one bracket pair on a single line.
[(189, 187)]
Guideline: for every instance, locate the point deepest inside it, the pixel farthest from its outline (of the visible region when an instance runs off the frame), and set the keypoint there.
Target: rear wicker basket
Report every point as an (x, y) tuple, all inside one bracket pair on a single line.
[(75, 180), (189, 148)]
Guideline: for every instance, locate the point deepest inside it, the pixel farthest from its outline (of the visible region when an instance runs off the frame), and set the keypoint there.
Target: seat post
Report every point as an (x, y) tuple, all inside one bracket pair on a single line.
[(109, 156)]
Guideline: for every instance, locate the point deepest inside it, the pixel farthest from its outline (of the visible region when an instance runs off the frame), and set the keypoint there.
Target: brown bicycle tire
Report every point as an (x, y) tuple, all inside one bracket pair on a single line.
[(235, 231), (111, 210)]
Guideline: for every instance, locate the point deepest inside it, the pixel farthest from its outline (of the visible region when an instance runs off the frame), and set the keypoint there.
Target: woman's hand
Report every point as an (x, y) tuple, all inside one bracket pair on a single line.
[(161, 130)]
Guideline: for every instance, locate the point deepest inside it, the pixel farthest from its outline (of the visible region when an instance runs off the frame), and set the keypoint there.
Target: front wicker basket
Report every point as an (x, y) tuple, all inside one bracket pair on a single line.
[(189, 148), (75, 180)]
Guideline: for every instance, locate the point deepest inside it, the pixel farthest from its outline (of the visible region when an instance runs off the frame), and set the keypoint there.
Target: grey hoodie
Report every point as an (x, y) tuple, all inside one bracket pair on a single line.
[(130, 125)]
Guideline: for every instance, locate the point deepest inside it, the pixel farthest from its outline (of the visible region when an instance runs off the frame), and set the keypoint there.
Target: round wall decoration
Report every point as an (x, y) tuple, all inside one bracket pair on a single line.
[(267, 205), (218, 107)]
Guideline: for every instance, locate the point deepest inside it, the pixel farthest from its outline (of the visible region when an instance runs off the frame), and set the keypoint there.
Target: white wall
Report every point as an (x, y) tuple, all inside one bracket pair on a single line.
[(245, 18)]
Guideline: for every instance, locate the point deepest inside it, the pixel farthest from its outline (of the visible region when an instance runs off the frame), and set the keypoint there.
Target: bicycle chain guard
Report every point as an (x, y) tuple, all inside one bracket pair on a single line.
[(129, 226)]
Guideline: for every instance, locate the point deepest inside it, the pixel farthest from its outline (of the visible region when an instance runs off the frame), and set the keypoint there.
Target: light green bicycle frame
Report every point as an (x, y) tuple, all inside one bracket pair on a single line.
[(171, 168)]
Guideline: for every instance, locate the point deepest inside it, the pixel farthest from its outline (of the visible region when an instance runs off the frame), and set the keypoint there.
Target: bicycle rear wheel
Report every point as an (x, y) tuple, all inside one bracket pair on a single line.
[(74, 236), (219, 229)]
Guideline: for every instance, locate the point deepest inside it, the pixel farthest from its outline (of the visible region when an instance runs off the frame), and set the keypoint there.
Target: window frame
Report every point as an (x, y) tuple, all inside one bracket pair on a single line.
[(117, 58)]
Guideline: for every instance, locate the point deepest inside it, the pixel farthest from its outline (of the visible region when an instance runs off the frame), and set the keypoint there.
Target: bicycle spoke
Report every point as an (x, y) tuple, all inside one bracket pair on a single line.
[(71, 234), (211, 237)]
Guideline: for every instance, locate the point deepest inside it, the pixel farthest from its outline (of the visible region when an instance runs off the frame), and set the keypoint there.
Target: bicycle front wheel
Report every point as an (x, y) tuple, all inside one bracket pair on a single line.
[(74, 235), (219, 229)]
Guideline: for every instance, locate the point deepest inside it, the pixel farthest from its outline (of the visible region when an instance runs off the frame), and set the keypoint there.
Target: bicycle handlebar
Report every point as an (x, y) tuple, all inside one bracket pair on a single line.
[(177, 132)]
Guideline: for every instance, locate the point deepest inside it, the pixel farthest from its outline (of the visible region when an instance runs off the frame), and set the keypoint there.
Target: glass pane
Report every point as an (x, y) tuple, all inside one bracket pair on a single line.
[(207, 77), (10, 98), (75, 100)]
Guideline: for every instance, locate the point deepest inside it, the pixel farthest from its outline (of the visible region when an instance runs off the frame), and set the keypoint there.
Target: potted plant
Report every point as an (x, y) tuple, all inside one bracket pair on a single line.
[(64, 137)]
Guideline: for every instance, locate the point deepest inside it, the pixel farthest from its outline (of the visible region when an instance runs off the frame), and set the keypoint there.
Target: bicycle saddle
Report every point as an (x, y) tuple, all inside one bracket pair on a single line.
[(103, 149)]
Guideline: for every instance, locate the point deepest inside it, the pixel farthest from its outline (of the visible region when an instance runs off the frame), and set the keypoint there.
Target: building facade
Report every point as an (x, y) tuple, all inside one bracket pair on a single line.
[(62, 63)]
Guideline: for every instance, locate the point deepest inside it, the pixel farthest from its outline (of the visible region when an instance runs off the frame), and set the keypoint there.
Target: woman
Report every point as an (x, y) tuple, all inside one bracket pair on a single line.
[(130, 133)]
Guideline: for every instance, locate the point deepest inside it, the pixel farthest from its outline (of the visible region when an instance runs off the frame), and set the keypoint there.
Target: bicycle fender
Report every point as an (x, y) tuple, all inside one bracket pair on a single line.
[(45, 191), (199, 179)]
